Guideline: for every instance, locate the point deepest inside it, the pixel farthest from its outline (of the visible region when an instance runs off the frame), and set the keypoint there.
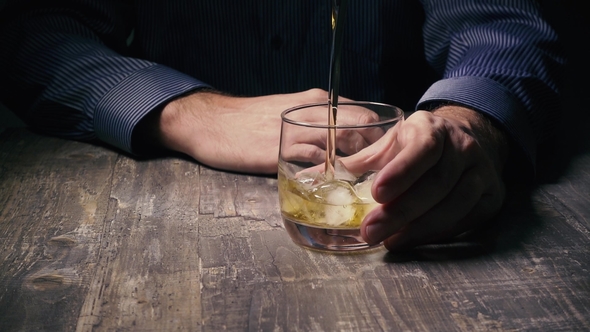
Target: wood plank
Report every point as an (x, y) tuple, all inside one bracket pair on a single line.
[(527, 273), (53, 199), (148, 273), (226, 194), (94, 240)]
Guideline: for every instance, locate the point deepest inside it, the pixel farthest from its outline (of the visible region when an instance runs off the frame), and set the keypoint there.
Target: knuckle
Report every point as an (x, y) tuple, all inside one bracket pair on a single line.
[(317, 93), (367, 117), (431, 143), (470, 144), (312, 154)]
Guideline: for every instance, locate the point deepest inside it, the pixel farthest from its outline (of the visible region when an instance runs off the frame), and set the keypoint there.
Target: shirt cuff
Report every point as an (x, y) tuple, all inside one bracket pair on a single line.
[(121, 109), (494, 100)]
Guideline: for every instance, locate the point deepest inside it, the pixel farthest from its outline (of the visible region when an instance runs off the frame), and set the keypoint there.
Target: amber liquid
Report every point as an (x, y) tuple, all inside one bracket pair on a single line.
[(313, 223), (311, 206), (310, 214)]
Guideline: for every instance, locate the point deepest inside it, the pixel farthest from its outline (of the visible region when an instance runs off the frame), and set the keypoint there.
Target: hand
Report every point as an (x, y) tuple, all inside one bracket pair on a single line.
[(441, 176), (243, 134), (232, 133), (308, 145)]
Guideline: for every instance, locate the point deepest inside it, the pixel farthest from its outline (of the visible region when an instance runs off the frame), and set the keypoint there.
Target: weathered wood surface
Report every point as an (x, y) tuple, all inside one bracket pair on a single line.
[(92, 240)]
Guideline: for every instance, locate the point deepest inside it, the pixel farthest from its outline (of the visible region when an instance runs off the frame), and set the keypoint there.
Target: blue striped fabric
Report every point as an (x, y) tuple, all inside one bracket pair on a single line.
[(498, 57), (84, 80)]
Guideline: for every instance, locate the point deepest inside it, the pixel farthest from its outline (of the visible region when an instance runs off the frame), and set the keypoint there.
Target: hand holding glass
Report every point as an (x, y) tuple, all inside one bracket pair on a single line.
[(324, 209)]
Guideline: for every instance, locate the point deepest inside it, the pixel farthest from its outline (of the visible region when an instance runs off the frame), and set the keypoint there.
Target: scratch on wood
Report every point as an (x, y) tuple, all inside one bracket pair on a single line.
[(62, 241), (48, 282), (479, 323)]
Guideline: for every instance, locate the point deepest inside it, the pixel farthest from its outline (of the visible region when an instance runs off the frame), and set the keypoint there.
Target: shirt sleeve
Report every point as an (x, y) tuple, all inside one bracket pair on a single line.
[(502, 59), (69, 72)]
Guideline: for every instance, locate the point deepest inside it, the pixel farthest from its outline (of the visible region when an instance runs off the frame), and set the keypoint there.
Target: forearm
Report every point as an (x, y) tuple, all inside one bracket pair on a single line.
[(185, 124), (223, 131)]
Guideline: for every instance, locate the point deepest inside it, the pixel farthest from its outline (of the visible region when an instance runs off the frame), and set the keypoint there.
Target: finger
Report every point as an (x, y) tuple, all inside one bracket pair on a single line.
[(361, 116), (321, 112), (420, 150), (375, 156), (372, 134), (432, 231), (304, 153), (428, 191), (394, 217), (355, 114), (350, 141), (464, 209)]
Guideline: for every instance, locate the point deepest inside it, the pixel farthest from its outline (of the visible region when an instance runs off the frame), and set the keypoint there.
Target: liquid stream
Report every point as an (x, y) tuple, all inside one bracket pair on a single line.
[(339, 8)]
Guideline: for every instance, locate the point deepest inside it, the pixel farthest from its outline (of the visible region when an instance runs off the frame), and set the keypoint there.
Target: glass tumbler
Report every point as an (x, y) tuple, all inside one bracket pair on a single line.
[(325, 193)]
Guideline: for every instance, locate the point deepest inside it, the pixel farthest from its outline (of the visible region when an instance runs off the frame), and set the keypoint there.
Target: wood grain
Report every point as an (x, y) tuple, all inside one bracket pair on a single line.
[(93, 240), (53, 202), (147, 275)]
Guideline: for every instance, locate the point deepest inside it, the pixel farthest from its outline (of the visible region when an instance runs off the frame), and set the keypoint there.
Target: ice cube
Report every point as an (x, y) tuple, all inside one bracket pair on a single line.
[(310, 180), (289, 170), (342, 173), (335, 192), (339, 198), (339, 193), (362, 187), (339, 215)]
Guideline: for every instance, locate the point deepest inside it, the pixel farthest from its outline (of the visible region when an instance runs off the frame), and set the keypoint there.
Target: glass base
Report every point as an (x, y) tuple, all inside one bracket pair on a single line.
[(326, 239)]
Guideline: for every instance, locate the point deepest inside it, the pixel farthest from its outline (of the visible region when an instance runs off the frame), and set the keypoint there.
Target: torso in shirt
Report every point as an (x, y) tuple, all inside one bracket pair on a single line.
[(262, 47)]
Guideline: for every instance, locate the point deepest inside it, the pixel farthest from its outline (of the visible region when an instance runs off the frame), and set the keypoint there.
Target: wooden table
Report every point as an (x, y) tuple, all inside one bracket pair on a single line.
[(92, 239)]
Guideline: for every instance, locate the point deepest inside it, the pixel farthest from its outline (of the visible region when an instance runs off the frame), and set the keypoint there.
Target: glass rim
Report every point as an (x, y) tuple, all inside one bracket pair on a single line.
[(394, 119)]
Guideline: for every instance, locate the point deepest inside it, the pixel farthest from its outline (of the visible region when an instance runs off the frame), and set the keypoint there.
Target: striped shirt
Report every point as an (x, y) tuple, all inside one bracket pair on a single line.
[(93, 69)]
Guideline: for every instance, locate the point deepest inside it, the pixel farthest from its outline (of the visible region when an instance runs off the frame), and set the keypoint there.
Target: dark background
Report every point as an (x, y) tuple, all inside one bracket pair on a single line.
[(571, 19)]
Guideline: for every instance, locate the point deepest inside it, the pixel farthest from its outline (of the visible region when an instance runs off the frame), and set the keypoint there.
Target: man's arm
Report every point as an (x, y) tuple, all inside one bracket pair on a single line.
[(223, 131), (503, 60), (499, 61), (442, 176), (71, 63)]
